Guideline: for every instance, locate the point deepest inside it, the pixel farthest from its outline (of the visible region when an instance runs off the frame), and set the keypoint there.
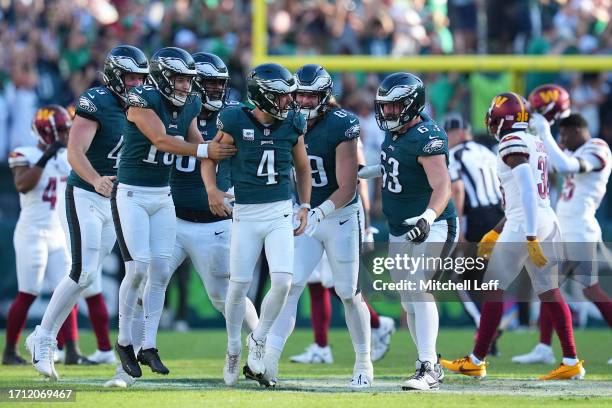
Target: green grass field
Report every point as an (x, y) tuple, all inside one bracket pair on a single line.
[(195, 361)]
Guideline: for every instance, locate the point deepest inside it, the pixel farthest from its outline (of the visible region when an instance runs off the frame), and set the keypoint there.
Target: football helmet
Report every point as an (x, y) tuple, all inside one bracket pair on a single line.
[(265, 84), (551, 101), (121, 60), (166, 64), (508, 112), (403, 88), (210, 67), (52, 123), (313, 78)]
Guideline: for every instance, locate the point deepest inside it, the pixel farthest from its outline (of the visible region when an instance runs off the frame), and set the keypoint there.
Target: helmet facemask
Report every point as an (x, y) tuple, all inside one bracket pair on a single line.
[(213, 96), (393, 122)]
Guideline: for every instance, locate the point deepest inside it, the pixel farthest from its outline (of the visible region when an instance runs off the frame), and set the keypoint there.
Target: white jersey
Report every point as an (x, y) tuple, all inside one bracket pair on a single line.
[(532, 148), (583, 192), (39, 205)]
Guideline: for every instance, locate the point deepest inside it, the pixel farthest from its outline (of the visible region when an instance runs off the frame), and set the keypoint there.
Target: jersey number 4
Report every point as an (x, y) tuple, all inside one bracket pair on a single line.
[(50, 195), (266, 167)]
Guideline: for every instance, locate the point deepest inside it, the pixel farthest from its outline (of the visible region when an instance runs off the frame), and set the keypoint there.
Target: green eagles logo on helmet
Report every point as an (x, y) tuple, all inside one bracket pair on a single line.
[(265, 84), (122, 60), (211, 81), (168, 63), (313, 78), (405, 91)]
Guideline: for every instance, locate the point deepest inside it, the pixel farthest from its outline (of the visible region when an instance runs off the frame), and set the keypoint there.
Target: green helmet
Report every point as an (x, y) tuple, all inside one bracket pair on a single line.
[(265, 84), (402, 87), (313, 78), (210, 67), (121, 60), (165, 65)]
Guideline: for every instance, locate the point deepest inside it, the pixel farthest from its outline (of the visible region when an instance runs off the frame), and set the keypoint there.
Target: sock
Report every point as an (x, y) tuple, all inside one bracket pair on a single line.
[(251, 320), (60, 306), (285, 322), (374, 318), (98, 315), (235, 308), (135, 273), (490, 316), (426, 322), (17, 316), (153, 299), (358, 322), (410, 321), (546, 326), (137, 326), (570, 361), (601, 299), (61, 338), (475, 359), (320, 312), (562, 320), (272, 303)]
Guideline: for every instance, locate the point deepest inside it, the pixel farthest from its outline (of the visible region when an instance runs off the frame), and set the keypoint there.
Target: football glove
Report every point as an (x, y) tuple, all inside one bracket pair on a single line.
[(536, 253), (315, 216), (420, 226), (486, 244)]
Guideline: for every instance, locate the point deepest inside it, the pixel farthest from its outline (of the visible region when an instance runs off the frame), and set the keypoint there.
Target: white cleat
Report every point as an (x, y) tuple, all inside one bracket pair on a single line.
[(231, 369), (121, 379), (255, 360), (360, 380), (541, 353), (314, 354), (42, 349), (103, 357), (426, 378), (271, 359), (381, 338), (59, 356)]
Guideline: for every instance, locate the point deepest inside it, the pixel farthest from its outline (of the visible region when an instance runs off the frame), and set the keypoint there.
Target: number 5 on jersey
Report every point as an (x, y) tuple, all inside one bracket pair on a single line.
[(266, 167)]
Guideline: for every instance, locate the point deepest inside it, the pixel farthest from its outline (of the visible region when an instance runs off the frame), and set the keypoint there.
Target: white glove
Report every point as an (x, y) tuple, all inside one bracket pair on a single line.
[(539, 124), (315, 216)]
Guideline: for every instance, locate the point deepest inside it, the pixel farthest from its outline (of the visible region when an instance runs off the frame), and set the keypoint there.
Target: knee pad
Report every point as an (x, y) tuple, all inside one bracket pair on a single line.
[(237, 291), (346, 293), (87, 278), (280, 281), (159, 271), (136, 271)]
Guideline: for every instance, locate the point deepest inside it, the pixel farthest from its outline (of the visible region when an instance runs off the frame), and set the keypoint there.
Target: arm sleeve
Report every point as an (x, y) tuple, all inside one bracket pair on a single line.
[(526, 184), (560, 161)]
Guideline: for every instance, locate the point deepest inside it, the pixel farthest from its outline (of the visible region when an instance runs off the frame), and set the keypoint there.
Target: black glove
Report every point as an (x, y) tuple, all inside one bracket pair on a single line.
[(419, 232), (49, 153)]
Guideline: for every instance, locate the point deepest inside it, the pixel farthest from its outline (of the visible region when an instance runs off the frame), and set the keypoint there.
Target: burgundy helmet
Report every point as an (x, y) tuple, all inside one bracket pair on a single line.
[(508, 111), (550, 100), (51, 123)]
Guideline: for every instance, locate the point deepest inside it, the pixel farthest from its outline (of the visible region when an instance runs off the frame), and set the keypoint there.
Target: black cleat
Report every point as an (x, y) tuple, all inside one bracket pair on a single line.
[(260, 378), (128, 360), (151, 358), (12, 357), (77, 359)]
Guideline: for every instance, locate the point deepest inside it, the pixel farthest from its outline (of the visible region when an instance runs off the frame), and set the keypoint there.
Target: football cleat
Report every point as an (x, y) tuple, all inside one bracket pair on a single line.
[(12, 357), (261, 378), (314, 354), (566, 372), (59, 356), (256, 355), (231, 369), (151, 358), (42, 348), (128, 360), (103, 357), (381, 338), (425, 378), (120, 380), (75, 358), (360, 381), (271, 359), (465, 366), (541, 354)]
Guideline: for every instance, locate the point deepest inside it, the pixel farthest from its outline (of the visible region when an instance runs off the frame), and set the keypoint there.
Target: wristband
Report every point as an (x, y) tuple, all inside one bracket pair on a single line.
[(327, 207), (202, 151), (306, 206), (429, 215)]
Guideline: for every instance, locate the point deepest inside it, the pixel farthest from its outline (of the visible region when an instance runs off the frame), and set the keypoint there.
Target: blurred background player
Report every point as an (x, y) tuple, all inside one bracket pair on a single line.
[(334, 226), (585, 163), (515, 241), (416, 193), (270, 141), (93, 152), (39, 174)]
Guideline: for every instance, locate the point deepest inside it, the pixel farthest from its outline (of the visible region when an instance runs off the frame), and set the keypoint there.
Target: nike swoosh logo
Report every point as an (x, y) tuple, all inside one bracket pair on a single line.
[(352, 120), (91, 96), (219, 233), (138, 90), (285, 215), (343, 222), (468, 371), (34, 360), (433, 137)]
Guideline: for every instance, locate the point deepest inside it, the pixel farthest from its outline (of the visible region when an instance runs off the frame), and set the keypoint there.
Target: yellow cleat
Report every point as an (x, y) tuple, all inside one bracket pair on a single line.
[(565, 372), (465, 366)]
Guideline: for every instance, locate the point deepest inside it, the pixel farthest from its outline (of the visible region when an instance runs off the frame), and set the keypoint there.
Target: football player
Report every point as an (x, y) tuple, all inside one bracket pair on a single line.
[(334, 227), (270, 141), (515, 241), (586, 165), (161, 122), (39, 173), (93, 152), (416, 190)]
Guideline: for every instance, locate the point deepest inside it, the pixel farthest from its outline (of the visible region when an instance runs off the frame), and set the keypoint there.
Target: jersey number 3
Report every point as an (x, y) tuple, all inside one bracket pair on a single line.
[(390, 179)]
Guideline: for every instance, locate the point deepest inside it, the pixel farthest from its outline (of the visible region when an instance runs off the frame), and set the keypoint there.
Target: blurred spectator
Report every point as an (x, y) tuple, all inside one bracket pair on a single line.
[(588, 93)]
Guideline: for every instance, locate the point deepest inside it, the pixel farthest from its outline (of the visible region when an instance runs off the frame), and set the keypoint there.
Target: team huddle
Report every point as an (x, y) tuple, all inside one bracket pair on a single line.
[(161, 162)]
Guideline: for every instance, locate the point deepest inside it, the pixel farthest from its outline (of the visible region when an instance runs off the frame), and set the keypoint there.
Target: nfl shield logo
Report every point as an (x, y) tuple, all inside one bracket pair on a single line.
[(266, 132), (248, 134)]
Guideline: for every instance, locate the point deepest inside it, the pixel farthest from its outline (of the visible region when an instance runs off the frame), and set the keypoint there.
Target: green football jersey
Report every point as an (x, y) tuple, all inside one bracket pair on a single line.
[(261, 169), (335, 127), (141, 163), (188, 191), (405, 188), (102, 106)]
